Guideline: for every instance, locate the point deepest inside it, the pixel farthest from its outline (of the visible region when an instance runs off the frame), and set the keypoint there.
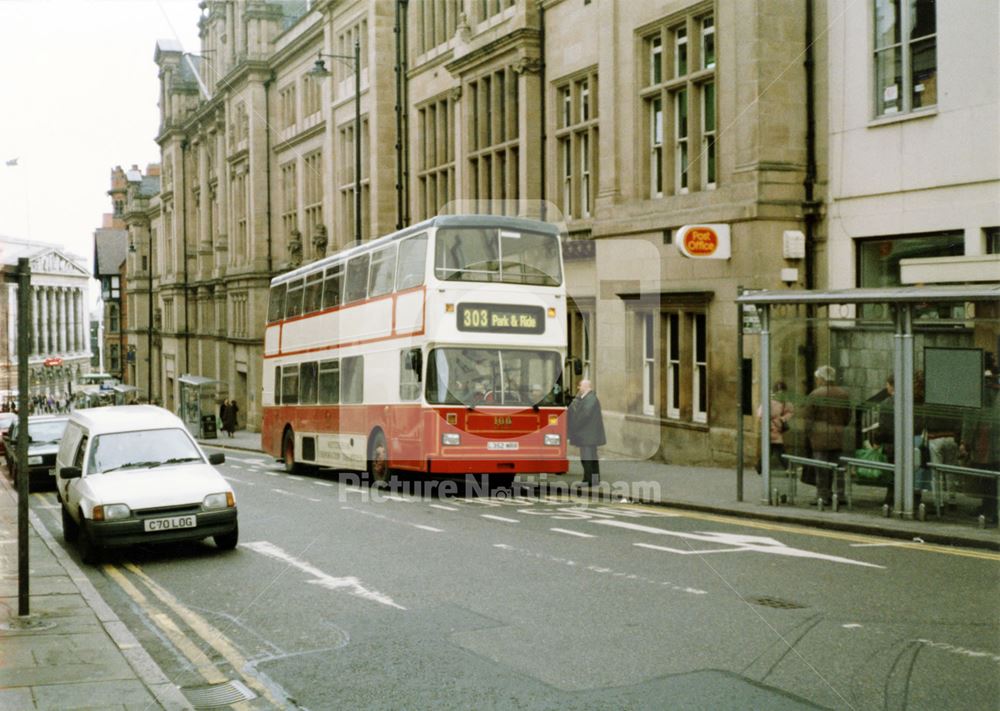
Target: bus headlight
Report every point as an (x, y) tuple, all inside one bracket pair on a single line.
[(552, 440), (450, 439)]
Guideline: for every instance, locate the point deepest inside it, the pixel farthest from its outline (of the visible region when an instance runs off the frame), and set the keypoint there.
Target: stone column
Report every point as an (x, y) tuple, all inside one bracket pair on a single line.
[(36, 318), (61, 301), (71, 311), (43, 316)]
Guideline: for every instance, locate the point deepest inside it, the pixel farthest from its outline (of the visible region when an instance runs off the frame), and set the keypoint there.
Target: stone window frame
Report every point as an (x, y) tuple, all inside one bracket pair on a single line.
[(436, 174), (493, 143), (576, 136), (676, 76), (312, 199), (345, 173), (907, 94)]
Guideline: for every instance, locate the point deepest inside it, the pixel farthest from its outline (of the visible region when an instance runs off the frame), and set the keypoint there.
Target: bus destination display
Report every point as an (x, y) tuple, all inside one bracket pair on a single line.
[(501, 318)]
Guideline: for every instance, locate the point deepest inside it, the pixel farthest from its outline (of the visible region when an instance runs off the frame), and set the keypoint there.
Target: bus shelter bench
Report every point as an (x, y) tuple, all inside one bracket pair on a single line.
[(795, 464), (851, 466), (939, 471)]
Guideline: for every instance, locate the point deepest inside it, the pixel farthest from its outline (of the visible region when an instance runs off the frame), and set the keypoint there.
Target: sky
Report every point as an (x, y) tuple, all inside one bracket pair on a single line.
[(78, 96)]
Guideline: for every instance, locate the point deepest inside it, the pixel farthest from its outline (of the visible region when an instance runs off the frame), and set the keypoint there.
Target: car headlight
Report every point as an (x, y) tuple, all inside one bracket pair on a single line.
[(553, 440), (222, 500), (450, 439), (34, 460), (111, 512)]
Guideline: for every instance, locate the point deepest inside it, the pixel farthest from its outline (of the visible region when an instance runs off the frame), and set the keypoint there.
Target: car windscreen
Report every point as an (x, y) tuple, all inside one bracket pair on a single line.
[(46, 432), (143, 449), (494, 376)]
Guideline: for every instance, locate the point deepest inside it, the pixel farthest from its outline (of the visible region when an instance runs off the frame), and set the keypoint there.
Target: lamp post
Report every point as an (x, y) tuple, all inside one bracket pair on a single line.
[(319, 70)]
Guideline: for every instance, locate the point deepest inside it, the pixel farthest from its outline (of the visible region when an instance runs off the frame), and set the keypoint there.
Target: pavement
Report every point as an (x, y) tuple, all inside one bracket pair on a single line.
[(71, 651)]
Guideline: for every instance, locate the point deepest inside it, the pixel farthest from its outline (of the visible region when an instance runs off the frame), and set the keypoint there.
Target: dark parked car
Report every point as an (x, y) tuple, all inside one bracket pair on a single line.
[(6, 420), (44, 435)]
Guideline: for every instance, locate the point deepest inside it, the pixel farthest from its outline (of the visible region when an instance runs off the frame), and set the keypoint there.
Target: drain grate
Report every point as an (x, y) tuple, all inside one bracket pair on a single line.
[(215, 695), (776, 603)]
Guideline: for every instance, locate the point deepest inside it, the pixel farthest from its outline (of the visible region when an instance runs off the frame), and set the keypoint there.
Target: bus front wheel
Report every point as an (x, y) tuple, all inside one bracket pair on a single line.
[(288, 451), (378, 460)]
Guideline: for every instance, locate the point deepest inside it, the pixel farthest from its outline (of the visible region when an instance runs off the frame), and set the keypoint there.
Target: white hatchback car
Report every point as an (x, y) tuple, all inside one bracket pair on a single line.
[(133, 474)]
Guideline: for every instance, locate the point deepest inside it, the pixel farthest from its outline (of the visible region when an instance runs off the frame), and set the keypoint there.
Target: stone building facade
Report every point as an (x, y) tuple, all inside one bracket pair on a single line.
[(59, 326), (627, 122)]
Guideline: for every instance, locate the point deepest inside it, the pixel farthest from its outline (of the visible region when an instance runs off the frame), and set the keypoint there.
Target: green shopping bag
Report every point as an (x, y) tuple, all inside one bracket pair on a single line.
[(870, 475)]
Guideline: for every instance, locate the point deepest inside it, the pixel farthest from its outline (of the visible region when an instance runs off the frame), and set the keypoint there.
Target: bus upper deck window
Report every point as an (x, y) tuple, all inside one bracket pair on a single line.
[(333, 286), (276, 303), (293, 300), (313, 298), (411, 264)]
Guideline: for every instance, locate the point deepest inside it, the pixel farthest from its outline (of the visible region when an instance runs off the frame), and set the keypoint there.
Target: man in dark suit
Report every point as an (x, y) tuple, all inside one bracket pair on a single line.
[(586, 430)]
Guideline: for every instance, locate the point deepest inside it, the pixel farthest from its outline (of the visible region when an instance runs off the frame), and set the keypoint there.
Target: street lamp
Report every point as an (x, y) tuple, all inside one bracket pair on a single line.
[(319, 70)]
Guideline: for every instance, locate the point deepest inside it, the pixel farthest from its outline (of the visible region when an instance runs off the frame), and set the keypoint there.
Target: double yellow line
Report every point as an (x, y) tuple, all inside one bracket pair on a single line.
[(184, 644)]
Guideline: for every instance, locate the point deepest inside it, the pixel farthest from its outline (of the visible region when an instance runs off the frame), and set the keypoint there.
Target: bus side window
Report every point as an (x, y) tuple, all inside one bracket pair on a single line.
[(409, 374), (382, 271), (412, 262), (333, 286), (307, 383), (276, 303), (289, 384), (357, 278), (329, 382), (277, 385), (313, 299), (352, 385), (293, 301)]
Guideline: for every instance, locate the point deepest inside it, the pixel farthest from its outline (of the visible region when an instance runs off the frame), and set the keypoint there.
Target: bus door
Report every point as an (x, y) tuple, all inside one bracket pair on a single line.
[(405, 420)]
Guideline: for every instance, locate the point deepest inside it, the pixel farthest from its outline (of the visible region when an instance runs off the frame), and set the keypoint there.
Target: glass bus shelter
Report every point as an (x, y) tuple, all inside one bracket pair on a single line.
[(916, 365), (200, 404)]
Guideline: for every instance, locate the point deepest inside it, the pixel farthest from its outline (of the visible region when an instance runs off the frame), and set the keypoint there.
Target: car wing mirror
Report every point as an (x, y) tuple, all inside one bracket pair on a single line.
[(217, 458), (71, 472)]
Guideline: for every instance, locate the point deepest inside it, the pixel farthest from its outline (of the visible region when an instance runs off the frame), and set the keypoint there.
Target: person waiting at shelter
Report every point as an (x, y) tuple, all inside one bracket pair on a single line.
[(827, 414)]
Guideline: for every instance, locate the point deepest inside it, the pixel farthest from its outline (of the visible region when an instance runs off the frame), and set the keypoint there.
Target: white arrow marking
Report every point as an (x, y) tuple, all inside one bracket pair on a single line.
[(757, 544), (350, 583)]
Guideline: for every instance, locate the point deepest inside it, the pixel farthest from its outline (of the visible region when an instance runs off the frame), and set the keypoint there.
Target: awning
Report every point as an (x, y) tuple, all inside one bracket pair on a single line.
[(887, 295)]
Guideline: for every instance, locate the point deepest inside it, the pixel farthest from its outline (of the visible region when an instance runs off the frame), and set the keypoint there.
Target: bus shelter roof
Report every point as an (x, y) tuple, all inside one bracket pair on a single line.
[(898, 294), (197, 380)]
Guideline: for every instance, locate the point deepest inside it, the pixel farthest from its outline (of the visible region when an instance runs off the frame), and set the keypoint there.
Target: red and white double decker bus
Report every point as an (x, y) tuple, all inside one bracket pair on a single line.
[(436, 350)]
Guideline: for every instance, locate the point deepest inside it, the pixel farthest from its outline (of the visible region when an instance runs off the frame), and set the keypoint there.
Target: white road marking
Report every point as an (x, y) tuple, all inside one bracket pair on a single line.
[(390, 497), (600, 570), (428, 528), (352, 490), (271, 473), (241, 460), (755, 544), (442, 507), (295, 478), (500, 518), (687, 552), (851, 626), (572, 533), (350, 583), (322, 483), (945, 647)]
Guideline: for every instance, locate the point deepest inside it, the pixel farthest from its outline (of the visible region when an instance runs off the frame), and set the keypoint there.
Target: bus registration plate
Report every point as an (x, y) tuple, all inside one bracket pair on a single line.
[(501, 445), (169, 524)]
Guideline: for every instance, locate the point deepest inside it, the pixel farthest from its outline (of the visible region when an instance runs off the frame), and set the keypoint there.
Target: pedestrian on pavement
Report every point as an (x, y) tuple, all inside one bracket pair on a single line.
[(586, 430), (781, 417), (827, 415), (228, 415)]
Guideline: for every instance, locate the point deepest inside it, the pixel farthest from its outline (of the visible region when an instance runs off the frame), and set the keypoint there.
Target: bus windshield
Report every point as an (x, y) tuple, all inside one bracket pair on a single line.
[(497, 255), (491, 376)]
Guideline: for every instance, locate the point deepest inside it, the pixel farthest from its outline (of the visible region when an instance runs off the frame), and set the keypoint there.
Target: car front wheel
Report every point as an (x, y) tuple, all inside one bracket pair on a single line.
[(90, 552), (70, 528), (227, 541)]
